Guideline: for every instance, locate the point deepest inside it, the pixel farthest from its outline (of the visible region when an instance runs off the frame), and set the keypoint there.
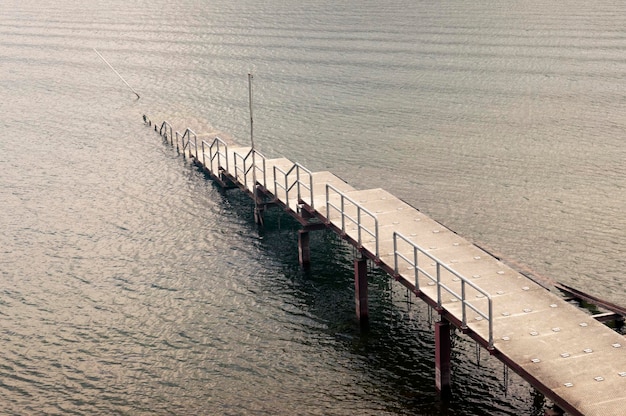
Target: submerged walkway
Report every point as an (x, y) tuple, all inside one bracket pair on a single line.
[(575, 361)]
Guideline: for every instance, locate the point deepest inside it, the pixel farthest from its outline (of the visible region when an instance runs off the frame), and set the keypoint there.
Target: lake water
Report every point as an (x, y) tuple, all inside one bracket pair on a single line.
[(130, 284)]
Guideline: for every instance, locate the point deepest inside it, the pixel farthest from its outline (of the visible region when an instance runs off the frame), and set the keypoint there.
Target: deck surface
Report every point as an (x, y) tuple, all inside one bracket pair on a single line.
[(558, 346)]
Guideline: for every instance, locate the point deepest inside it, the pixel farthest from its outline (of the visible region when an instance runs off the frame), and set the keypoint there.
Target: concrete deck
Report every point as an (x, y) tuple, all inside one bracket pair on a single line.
[(574, 360)]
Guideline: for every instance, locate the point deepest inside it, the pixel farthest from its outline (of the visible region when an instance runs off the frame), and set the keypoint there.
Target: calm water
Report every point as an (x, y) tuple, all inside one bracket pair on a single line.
[(131, 285)]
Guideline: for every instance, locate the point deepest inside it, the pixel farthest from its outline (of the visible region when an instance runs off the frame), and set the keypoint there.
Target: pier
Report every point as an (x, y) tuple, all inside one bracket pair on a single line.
[(565, 353)]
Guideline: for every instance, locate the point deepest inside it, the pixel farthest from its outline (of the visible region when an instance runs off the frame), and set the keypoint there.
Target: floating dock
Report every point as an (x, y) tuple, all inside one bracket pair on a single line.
[(566, 354)]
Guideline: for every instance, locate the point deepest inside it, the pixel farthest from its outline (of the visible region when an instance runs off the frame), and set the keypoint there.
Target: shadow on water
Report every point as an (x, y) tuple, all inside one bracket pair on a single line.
[(395, 354), (396, 351), (393, 351)]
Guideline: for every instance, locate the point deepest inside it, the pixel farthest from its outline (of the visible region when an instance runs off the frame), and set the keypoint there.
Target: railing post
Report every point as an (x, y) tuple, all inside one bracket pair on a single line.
[(395, 253), (343, 215), (298, 181), (264, 174), (327, 202), (226, 157), (464, 308), (287, 190), (203, 158), (376, 238), (358, 224), (438, 285), (415, 252), (311, 190), (490, 323)]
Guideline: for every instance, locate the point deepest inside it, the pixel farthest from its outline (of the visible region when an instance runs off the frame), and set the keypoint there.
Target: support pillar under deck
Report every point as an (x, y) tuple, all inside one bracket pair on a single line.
[(555, 411), (443, 349), (259, 212), (304, 250), (360, 290), (259, 207)]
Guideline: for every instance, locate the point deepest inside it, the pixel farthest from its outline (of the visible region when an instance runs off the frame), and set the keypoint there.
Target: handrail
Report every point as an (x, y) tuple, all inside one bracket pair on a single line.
[(165, 125), (413, 262), (254, 166), (298, 183), (215, 153), (204, 154), (357, 221), (188, 133)]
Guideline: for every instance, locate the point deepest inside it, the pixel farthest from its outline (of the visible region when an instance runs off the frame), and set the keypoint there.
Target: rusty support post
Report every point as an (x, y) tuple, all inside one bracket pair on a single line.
[(555, 411), (304, 250), (360, 290), (258, 214), (304, 214), (259, 208), (443, 350)]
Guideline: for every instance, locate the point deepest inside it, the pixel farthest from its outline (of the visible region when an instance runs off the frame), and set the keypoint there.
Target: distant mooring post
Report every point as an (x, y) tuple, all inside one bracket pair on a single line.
[(258, 213)]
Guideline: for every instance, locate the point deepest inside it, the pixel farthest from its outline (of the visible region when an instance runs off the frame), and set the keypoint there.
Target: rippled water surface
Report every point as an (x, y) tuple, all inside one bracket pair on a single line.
[(130, 284)]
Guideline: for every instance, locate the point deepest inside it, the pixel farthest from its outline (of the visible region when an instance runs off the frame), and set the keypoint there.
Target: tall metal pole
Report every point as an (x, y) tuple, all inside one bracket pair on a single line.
[(251, 118), (257, 213)]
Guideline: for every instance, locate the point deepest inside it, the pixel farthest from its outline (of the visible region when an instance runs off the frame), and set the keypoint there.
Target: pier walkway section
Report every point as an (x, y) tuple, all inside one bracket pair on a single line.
[(574, 360)]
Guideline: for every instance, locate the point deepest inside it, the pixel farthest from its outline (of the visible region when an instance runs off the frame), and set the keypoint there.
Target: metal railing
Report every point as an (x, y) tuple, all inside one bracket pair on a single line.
[(165, 127), (298, 183), (191, 142), (248, 166), (439, 269), (218, 149), (358, 221), (414, 256)]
